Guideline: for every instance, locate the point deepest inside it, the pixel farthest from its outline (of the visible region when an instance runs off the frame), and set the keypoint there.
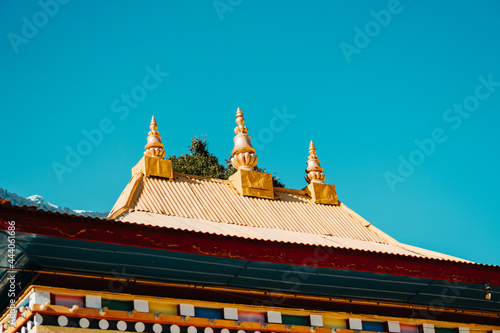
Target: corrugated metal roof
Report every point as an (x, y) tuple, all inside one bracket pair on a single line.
[(213, 206), (277, 235), (216, 201), (254, 233)]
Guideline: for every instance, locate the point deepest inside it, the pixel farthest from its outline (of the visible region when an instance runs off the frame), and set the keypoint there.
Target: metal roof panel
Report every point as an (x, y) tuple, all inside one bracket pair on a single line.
[(277, 235), (216, 201)]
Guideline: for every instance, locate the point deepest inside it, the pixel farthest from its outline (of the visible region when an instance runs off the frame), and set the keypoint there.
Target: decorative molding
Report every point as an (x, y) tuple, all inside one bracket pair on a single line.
[(186, 310), (141, 306), (316, 320), (273, 317), (39, 297), (230, 313), (426, 328), (354, 324), (393, 327)]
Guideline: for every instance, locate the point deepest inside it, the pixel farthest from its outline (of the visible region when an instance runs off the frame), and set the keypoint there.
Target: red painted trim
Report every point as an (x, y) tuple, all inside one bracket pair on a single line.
[(30, 220)]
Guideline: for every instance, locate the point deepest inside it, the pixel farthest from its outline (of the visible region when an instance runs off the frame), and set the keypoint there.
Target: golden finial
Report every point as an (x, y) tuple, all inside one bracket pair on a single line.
[(154, 147), (312, 148), (314, 170), (244, 157)]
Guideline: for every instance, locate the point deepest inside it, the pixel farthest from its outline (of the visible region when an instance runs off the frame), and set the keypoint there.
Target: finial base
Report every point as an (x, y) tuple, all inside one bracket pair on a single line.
[(322, 193), (155, 152), (253, 184), (152, 166), (315, 177), (244, 161)]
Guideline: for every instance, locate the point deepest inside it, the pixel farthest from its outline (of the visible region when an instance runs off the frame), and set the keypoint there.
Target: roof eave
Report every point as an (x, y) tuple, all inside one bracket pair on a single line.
[(34, 221)]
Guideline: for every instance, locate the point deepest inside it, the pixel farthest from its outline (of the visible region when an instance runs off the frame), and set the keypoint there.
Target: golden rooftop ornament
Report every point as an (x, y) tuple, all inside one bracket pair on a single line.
[(246, 181), (317, 189), (154, 147), (314, 170), (244, 157)]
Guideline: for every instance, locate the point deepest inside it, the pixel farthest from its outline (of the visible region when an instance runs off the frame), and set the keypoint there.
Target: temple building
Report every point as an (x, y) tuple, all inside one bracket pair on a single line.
[(185, 254)]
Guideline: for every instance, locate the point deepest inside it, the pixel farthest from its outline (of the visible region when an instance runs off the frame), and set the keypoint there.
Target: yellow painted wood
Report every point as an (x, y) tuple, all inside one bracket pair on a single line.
[(168, 307), (20, 321), (59, 329), (157, 307), (169, 320), (331, 322), (172, 301), (322, 193), (253, 184)]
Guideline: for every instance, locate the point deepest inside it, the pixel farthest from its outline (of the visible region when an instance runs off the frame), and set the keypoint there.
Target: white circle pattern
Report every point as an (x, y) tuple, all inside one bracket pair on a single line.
[(103, 324), (62, 320), (175, 329), (139, 327), (121, 325), (84, 323)]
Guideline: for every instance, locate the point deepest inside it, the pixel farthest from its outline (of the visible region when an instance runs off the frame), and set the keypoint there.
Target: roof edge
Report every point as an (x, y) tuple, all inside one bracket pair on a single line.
[(125, 198), (53, 224)]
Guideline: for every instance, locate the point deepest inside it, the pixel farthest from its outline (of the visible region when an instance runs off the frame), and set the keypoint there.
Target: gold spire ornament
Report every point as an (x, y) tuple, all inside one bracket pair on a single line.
[(246, 181), (152, 164), (244, 157), (314, 170), (317, 190), (154, 147)]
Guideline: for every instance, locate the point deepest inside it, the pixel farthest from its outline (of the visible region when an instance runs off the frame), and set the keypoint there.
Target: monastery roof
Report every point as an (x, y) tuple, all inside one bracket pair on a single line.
[(156, 196)]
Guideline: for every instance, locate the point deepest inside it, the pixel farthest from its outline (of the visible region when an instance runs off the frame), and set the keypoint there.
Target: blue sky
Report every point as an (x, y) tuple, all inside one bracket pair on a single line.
[(401, 98)]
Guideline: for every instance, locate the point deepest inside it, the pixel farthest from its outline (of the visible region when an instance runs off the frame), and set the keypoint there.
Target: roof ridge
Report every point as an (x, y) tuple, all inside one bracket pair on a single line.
[(226, 181), (185, 175)]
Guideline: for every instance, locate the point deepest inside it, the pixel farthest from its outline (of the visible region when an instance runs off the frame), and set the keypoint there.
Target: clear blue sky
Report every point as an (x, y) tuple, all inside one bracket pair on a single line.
[(364, 80)]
